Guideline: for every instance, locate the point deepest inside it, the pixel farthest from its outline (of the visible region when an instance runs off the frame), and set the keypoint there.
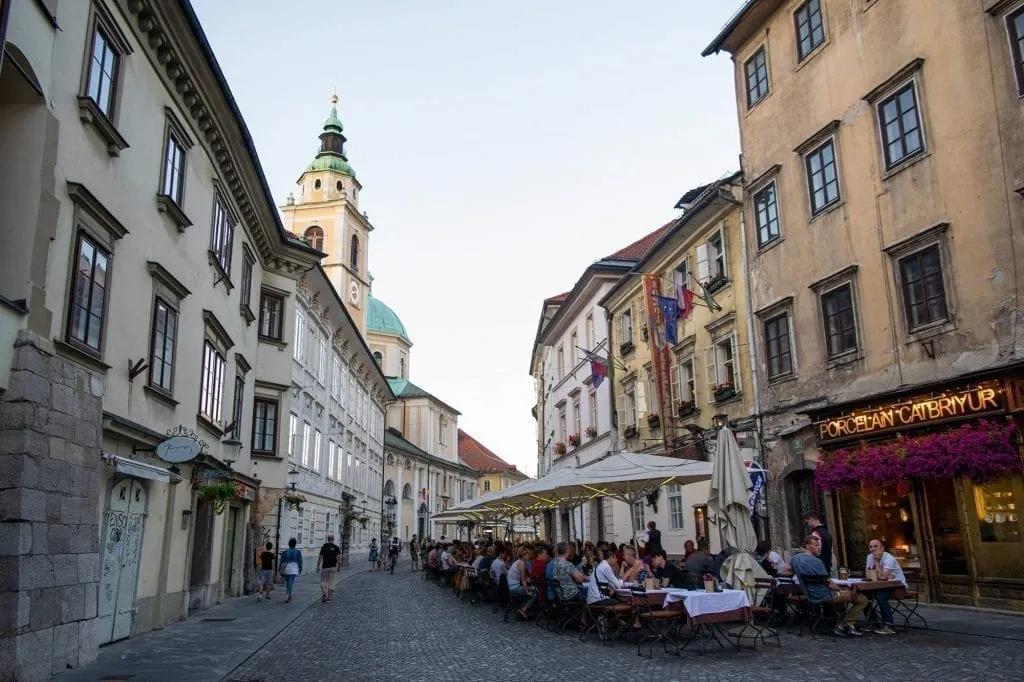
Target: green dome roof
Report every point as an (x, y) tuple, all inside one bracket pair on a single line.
[(333, 123), (330, 162), (383, 320)]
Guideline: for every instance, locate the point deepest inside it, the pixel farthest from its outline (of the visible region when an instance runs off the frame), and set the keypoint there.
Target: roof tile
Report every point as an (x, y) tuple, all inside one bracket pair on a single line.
[(640, 247), (476, 455)]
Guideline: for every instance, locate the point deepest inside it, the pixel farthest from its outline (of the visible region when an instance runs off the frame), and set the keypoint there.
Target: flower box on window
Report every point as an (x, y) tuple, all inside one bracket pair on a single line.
[(591, 432), (654, 420), (684, 408), (643, 332), (626, 347), (716, 282), (574, 440), (724, 392), (559, 448), (630, 431)]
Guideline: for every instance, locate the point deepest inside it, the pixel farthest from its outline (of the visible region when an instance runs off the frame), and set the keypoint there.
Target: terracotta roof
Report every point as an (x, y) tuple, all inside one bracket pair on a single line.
[(558, 298), (476, 455), (640, 247)]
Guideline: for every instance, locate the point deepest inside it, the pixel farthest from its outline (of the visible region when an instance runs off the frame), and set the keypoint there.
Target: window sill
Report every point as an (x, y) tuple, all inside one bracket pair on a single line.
[(246, 312), (166, 204), (222, 275), (827, 210), (807, 58), (847, 358), (905, 164), (734, 398), (769, 246), (752, 107), (265, 455), (931, 331), (210, 426), (160, 396), (281, 345), (73, 352), (782, 379), (714, 286), (89, 112)]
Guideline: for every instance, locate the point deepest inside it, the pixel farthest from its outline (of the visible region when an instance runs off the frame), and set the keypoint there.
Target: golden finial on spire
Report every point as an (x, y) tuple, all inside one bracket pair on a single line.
[(334, 97)]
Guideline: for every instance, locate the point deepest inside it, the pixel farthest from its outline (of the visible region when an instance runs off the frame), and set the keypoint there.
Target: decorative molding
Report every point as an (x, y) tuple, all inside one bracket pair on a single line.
[(774, 307), (160, 273), (722, 321), (763, 178), (166, 204), (829, 281), (89, 112), (242, 364), (180, 133), (922, 238), (88, 202), (894, 80), (217, 329), (830, 128)]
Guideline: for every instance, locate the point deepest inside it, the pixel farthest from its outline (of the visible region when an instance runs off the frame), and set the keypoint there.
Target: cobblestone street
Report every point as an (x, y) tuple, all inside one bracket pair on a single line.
[(383, 627)]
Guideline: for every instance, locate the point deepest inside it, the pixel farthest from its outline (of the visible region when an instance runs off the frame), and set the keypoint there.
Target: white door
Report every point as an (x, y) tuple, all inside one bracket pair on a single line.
[(122, 544)]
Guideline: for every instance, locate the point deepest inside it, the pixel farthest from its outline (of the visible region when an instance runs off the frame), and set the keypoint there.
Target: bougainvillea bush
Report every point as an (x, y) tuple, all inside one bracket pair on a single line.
[(982, 451)]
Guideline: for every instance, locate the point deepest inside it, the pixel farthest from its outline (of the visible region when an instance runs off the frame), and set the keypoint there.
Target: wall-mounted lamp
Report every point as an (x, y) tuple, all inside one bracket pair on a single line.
[(186, 518), (232, 450)]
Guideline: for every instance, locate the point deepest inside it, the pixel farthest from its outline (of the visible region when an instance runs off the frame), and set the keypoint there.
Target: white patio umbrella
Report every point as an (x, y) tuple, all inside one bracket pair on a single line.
[(728, 503)]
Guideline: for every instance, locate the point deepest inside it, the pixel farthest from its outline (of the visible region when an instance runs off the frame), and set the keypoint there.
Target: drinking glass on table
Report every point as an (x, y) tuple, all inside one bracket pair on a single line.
[(844, 573)]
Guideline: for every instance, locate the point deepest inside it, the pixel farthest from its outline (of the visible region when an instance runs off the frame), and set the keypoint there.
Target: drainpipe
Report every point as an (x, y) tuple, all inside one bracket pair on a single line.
[(277, 534)]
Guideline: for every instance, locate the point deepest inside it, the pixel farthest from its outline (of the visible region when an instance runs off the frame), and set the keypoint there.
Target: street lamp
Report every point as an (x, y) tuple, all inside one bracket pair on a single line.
[(233, 450), (391, 503), (293, 478)]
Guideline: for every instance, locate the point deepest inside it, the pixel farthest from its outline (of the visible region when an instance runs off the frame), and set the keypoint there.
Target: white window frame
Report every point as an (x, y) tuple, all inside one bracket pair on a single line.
[(293, 431), (712, 260), (563, 425), (307, 443), (317, 445), (211, 391), (592, 398), (715, 362), (222, 234), (590, 331), (321, 374), (676, 512), (561, 363), (772, 186), (577, 416), (299, 335), (626, 326)]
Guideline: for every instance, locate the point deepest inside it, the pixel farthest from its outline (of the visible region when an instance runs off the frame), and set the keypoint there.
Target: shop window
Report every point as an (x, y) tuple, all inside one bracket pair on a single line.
[(998, 511), (884, 513), (803, 498)]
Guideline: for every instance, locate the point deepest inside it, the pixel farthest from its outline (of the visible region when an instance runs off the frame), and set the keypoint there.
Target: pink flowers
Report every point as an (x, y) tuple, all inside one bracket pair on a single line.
[(981, 451)]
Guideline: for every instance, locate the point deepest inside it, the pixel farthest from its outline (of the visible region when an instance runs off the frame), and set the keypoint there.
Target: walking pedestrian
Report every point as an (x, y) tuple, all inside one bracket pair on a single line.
[(374, 554), (291, 566), (266, 572), (327, 565), (414, 552)]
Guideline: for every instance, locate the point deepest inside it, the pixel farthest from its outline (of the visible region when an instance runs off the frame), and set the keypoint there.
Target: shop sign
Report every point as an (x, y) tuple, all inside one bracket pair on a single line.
[(246, 492), (966, 402), (181, 445)]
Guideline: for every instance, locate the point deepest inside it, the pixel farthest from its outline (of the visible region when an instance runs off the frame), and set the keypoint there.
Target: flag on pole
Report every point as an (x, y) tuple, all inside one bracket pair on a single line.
[(685, 302), (670, 312), (598, 366)]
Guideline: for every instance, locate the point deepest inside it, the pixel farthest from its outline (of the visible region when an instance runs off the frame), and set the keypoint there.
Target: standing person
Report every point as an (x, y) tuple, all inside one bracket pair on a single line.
[(266, 572), (374, 554), (291, 566), (653, 545), (414, 552), (327, 565), (818, 530)]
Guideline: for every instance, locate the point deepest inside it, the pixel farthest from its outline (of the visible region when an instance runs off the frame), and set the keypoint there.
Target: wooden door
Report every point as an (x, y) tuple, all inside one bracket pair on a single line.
[(123, 527)]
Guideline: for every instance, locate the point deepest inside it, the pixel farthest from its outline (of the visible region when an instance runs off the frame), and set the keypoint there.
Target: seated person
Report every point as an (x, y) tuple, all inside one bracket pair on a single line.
[(769, 559), (565, 575), (488, 559), (604, 573), (688, 550), (808, 564), (888, 569), (631, 570), (700, 562), (667, 573)]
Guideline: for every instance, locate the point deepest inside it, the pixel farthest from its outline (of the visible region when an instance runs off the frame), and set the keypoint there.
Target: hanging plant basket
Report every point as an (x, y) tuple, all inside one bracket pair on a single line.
[(574, 440), (218, 494), (685, 408), (294, 501), (352, 517), (654, 420), (981, 451), (630, 431), (559, 448), (591, 433)]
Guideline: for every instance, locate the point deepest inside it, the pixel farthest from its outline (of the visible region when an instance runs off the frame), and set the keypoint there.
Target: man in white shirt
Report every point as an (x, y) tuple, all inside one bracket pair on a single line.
[(888, 569), (605, 573)]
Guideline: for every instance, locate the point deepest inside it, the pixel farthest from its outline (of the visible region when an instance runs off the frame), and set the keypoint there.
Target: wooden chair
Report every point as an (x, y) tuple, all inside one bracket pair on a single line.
[(657, 623)]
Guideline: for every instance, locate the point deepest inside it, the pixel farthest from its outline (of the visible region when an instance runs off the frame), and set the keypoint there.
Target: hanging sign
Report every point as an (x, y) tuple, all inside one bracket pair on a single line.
[(965, 402), (181, 445)]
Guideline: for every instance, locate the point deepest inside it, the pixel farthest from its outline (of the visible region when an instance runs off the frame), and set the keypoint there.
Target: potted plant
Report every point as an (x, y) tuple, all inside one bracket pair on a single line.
[(716, 282), (559, 448), (218, 494), (626, 347), (591, 432), (574, 440), (653, 420), (294, 500), (724, 391), (630, 431), (685, 408)]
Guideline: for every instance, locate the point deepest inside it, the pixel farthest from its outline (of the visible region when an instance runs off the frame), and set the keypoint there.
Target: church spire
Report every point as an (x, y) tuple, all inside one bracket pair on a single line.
[(331, 156)]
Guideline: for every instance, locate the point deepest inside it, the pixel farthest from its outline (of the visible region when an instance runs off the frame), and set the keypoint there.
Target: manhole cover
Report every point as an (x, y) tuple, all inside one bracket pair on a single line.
[(216, 620)]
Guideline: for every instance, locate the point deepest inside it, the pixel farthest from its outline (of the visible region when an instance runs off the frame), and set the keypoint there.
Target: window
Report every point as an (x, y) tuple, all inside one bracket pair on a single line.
[(756, 69), (264, 426), (247, 263), (161, 353), (212, 383), (589, 331), (810, 28), (315, 237), (722, 371), (173, 185), (684, 383), (442, 428), (574, 344), (651, 391), (222, 236), (317, 446), (676, 517), (638, 514), (711, 263), (354, 254), (88, 294), (592, 401), (626, 326), (766, 210), (238, 400), (822, 177), (681, 275), (293, 432), (900, 121), (322, 356), (777, 346), (487, 486), (271, 315), (300, 335), (563, 425), (924, 294), (317, 183), (1015, 26), (307, 443), (577, 416), (338, 186), (561, 363), (838, 315), (104, 62), (627, 406)]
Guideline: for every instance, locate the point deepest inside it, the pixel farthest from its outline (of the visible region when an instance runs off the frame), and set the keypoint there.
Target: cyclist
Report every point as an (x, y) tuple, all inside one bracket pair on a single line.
[(394, 547)]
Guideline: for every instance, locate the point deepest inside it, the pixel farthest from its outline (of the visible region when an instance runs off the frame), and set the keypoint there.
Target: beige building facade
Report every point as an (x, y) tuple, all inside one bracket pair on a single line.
[(883, 186)]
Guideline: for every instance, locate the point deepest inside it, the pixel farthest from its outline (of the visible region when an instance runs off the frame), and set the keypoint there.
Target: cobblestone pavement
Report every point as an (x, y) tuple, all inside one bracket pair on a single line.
[(383, 627)]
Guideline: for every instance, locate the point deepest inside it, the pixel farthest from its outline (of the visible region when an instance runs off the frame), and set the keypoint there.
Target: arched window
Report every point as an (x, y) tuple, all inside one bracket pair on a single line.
[(389, 489), (377, 357), (401, 373), (407, 492), (315, 237), (339, 185), (316, 184), (354, 260)]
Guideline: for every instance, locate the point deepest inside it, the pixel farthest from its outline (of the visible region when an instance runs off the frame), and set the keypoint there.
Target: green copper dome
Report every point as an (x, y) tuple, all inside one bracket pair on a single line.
[(331, 156), (383, 320), (329, 162), (333, 123)]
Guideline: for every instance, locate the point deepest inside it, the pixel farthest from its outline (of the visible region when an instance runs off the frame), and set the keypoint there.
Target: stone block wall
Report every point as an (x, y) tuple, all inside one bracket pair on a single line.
[(50, 444)]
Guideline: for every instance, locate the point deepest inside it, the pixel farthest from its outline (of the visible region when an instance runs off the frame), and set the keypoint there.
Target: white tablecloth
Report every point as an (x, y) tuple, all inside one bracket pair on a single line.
[(699, 602)]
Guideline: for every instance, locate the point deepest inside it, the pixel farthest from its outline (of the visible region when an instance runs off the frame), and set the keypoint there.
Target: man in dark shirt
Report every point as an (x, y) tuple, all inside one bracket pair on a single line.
[(818, 530), (653, 538), (700, 562), (667, 572), (267, 560), (327, 564)]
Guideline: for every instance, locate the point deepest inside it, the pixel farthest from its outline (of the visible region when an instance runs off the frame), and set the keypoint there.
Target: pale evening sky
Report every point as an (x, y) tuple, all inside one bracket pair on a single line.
[(502, 148)]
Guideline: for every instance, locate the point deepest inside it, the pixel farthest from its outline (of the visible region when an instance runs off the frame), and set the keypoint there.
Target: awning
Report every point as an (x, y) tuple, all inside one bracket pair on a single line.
[(131, 467)]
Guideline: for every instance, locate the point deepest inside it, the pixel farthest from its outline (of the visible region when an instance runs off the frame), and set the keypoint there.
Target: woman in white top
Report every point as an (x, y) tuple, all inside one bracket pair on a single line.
[(605, 573), (766, 556), (888, 569), (517, 573), (499, 567)]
